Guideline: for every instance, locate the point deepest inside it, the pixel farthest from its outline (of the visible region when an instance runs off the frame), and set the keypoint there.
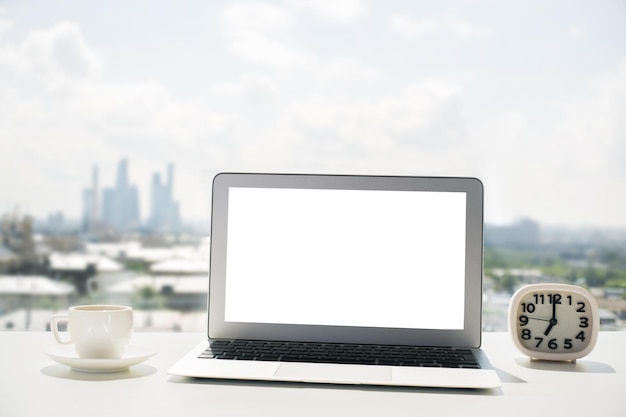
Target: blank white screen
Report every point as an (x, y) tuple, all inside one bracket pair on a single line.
[(346, 258)]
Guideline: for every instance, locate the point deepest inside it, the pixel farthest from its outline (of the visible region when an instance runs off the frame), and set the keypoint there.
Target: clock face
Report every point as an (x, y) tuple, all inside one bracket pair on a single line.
[(554, 321)]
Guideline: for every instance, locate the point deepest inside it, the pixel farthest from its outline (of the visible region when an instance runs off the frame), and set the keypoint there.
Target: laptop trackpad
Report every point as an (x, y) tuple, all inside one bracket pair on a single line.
[(323, 372)]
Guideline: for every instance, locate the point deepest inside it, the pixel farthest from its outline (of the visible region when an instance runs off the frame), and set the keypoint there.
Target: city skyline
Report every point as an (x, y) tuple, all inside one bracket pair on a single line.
[(119, 207), (527, 96)]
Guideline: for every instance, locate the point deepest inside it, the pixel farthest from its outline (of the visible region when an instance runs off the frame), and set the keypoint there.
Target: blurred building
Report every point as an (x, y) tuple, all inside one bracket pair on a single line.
[(164, 210), (116, 207), (91, 204), (18, 250), (82, 270), (21, 294), (180, 293), (8, 259), (524, 233), (178, 266), (120, 204)]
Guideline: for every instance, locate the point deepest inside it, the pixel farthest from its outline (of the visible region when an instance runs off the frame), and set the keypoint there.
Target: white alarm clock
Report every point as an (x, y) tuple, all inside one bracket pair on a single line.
[(557, 322)]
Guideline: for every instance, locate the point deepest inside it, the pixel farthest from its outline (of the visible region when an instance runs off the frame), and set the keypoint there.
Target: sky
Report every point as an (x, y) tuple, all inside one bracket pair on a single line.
[(528, 96)]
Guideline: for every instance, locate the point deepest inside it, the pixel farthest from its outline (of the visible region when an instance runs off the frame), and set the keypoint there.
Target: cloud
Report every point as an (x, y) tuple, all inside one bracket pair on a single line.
[(428, 114), (255, 31), (593, 125), (422, 118), (261, 35), (255, 18), (346, 70), (270, 53), (577, 32), (337, 10), (55, 56), (255, 87), (419, 128), (562, 167), (464, 29), (412, 27), (5, 25)]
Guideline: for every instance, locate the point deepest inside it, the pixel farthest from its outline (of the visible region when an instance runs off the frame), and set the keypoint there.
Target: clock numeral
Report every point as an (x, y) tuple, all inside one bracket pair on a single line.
[(552, 344), (541, 298), (528, 307), (526, 334), (567, 344), (554, 298), (581, 307), (581, 336), (523, 320), (540, 339), (584, 322)]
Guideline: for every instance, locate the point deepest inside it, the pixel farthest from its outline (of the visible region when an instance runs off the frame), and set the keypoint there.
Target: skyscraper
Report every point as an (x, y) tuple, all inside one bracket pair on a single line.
[(91, 213), (120, 205), (164, 210)]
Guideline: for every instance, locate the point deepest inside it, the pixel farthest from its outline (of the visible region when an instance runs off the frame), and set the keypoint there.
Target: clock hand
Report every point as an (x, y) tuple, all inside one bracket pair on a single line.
[(553, 320), (552, 323)]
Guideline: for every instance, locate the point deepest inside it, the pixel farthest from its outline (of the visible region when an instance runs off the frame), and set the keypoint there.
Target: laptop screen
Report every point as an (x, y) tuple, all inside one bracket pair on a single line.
[(364, 259), (369, 258)]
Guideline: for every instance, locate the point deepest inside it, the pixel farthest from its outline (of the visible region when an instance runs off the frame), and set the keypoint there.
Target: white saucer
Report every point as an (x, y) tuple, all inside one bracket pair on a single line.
[(66, 354)]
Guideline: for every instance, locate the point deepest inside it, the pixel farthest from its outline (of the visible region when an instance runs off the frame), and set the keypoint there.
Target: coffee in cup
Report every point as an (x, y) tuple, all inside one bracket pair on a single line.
[(97, 331)]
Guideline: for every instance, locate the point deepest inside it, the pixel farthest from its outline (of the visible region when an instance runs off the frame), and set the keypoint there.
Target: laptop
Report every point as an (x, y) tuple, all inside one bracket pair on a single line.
[(345, 279)]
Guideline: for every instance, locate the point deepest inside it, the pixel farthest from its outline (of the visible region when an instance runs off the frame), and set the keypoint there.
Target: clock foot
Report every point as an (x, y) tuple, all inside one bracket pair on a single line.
[(572, 361)]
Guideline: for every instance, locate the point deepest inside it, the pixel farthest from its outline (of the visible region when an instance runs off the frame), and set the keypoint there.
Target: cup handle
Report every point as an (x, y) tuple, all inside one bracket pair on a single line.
[(54, 326)]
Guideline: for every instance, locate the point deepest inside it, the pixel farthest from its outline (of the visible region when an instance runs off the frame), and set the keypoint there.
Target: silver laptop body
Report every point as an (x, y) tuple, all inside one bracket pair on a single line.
[(343, 259)]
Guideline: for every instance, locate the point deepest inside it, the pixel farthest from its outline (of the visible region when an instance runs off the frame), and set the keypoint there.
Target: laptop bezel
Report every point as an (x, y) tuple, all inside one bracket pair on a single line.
[(469, 336)]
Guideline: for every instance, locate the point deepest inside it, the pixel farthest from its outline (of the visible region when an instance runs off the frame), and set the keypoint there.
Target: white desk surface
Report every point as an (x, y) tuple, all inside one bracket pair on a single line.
[(32, 384)]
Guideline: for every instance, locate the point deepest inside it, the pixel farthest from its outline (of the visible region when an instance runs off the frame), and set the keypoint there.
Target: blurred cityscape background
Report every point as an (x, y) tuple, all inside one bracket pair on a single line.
[(115, 116), (160, 265)]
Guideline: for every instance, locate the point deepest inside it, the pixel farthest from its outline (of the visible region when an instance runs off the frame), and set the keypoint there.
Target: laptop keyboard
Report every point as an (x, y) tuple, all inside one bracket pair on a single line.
[(341, 353)]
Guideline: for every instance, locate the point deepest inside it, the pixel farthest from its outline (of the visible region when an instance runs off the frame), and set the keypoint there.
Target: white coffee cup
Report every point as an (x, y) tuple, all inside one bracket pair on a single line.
[(97, 331)]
